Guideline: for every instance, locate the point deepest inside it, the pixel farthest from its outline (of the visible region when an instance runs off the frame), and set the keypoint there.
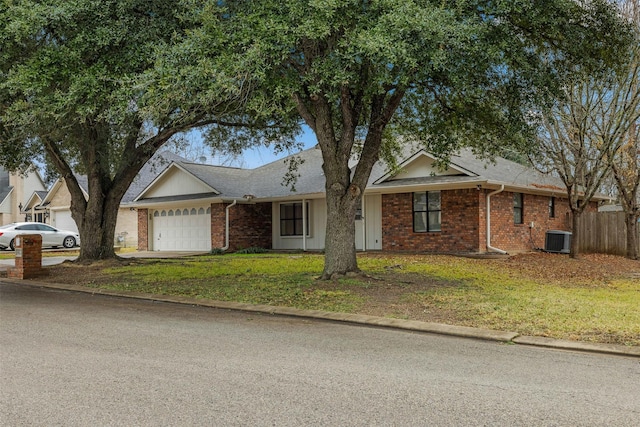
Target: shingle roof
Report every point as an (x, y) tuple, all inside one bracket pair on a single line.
[(4, 192), (5, 188), (506, 171), (230, 182), (267, 181)]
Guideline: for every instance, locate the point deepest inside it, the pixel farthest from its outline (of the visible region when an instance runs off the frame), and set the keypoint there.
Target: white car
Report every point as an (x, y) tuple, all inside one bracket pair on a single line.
[(51, 237)]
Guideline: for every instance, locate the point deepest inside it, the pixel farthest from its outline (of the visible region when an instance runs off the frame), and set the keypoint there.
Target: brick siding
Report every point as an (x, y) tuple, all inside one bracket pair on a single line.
[(249, 226), (464, 222), (460, 225), (507, 235), (143, 229)]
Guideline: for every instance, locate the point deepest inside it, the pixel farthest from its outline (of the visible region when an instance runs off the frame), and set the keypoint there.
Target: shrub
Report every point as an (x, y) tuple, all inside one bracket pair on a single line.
[(252, 250)]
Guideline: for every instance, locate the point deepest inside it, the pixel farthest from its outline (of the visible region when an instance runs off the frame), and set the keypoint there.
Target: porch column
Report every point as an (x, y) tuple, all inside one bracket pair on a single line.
[(304, 225)]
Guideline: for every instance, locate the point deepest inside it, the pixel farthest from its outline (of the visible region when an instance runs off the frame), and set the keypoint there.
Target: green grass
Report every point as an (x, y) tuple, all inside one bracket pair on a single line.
[(255, 279), (477, 293)]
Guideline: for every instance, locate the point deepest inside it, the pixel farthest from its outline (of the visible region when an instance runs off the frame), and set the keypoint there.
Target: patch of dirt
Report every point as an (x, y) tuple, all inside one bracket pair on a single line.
[(385, 295)]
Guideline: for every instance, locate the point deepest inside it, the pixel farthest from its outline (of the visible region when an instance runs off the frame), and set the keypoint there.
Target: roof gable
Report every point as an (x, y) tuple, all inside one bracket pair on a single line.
[(175, 179), (149, 172), (35, 199), (421, 165), (60, 185)]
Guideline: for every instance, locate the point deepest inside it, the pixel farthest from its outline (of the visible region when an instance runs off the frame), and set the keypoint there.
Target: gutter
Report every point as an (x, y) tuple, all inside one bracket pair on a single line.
[(226, 225), (489, 247)]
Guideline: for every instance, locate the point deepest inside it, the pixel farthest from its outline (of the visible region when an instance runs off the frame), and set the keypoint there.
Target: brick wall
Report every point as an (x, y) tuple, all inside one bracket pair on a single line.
[(143, 229), (507, 235), (28, 261), (249, 226), (460, 223), (218, 225), (464, 222)]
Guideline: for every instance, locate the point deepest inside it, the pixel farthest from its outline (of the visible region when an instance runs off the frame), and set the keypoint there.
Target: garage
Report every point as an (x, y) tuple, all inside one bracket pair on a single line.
[(182, 229), (62, 220)]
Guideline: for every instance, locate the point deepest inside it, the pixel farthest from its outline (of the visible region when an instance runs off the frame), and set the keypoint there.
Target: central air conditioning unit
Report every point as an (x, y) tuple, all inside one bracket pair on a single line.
[(558, 241)]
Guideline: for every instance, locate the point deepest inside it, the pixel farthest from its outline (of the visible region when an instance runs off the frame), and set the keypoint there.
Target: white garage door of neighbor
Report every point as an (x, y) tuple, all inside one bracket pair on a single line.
[(62, 220), (182, 229)]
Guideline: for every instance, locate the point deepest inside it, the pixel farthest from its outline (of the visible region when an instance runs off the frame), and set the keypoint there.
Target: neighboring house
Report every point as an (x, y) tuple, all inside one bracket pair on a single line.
[(56, 204), (16, 191), (34, 210), (472, 206)]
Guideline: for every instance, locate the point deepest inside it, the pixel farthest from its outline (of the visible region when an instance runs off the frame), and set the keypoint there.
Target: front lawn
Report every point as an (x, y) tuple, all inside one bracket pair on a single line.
[(595, 298)]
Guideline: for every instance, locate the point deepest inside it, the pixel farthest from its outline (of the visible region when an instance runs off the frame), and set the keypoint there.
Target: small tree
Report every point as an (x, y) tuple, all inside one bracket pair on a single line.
[(626, 164), (582, 133), (626, 172)]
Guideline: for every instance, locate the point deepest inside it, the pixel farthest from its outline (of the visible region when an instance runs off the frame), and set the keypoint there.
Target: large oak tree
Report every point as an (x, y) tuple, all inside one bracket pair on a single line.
[(86, 87), (361, 74)]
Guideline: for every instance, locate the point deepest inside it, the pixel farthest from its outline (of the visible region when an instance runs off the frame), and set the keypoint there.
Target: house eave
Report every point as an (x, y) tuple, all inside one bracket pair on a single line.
[(295, 196), (389, 188)]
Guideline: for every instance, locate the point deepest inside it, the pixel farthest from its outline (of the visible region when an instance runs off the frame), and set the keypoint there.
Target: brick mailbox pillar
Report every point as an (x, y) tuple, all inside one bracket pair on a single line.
[(28, 249)]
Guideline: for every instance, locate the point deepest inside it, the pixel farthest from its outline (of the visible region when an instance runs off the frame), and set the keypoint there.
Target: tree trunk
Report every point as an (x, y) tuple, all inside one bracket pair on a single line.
[(631, 221), (340, 238), (575, 234), (97, 225)]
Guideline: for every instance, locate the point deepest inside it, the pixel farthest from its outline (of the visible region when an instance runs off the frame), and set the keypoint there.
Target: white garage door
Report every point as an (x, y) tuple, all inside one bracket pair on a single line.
[(62, 220), (182, 229)]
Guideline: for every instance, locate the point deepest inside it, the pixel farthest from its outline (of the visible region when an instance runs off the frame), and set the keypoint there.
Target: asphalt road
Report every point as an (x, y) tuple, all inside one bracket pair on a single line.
[(88, 360)]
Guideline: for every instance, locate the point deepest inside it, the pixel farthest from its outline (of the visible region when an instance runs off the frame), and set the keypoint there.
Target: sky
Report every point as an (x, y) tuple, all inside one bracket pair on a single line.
[(250, 159)]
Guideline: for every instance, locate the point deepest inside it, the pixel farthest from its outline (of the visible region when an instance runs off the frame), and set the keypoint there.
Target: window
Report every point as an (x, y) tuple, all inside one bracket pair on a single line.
[(427, 211), (518, 217), (28, 227), (291, 219), (552, 207)]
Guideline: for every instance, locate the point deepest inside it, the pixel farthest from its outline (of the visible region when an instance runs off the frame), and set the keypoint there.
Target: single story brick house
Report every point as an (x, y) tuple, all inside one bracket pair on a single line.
[(473, 206)]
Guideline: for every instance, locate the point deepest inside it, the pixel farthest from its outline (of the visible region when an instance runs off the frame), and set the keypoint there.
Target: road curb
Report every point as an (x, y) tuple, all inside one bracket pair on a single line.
[(579, 346), (411, 325)]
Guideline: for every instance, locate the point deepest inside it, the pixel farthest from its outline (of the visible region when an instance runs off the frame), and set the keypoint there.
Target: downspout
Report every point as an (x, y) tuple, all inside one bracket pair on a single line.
[(226, 225), (489, 247)]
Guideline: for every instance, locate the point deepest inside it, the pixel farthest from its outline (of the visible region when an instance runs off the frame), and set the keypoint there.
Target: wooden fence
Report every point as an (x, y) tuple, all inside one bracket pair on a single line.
[(603, 232)]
